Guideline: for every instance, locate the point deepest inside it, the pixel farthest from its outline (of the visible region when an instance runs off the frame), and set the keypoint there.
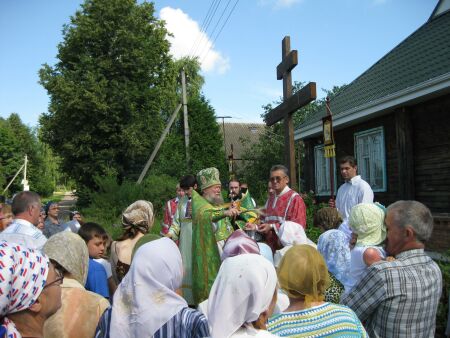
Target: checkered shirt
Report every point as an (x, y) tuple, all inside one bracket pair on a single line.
[(399, 298)]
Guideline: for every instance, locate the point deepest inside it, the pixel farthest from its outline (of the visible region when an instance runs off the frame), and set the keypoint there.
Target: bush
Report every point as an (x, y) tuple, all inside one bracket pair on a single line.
[(107, 204), (312, 207)]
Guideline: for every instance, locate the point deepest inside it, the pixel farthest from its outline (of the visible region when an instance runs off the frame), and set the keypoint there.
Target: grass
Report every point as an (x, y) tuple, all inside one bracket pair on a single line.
[(56, 197)]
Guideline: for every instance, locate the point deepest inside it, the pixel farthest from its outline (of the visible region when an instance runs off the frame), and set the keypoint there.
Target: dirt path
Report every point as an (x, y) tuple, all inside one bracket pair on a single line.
[(66, 205)]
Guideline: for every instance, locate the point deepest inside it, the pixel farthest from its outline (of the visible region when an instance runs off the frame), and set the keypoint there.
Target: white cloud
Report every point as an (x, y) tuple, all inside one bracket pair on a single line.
[(186, 32)]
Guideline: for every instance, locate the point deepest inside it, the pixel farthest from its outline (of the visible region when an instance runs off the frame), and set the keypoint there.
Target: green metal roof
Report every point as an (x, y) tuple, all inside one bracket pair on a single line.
[(422, 56)]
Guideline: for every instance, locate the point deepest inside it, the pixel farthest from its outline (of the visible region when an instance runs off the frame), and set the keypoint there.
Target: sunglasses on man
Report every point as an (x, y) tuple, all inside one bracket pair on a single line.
[(276, 178)]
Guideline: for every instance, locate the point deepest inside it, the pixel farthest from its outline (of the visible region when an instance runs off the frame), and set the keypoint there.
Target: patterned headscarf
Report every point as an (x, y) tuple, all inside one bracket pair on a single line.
[(139, 215), (367, 221), (303, 273), (70, 251), (333, 245), (23, 273), (239, 243)]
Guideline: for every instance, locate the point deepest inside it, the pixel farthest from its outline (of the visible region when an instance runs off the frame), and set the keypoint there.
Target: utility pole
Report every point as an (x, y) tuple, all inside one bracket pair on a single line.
[(185, 115), (26, 187), (223, 131), (160, 141)]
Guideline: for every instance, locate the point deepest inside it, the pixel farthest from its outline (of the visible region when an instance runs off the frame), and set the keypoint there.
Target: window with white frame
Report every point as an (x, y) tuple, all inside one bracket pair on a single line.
[(371, 159), (322, 172)]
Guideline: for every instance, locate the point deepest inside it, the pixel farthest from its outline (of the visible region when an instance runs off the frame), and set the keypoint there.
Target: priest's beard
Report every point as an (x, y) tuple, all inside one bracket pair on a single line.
[(214, 199)]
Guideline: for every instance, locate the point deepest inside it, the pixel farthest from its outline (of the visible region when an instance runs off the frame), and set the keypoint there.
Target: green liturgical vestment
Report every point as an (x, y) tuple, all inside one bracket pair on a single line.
[(205, 253)]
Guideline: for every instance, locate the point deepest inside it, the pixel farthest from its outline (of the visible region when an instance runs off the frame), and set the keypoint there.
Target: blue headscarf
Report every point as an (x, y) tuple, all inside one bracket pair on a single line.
[(333, 245)]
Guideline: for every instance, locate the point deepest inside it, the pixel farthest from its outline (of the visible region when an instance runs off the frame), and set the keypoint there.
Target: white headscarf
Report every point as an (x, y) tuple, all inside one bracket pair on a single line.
[(291, 233), (243, 289), (145, 299)]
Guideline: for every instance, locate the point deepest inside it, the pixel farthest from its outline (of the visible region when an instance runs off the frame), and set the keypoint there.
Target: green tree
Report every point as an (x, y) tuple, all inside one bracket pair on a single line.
[(113, 79), (19, 140), (205, 141)]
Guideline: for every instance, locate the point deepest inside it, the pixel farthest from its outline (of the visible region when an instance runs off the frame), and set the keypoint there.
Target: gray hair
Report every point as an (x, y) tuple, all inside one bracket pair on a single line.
[(23, 200), (280, 167), (414, 214)]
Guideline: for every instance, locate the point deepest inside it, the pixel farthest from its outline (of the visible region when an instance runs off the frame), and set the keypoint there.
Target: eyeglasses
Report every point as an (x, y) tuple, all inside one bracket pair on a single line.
[(58, 281), (276, 178)]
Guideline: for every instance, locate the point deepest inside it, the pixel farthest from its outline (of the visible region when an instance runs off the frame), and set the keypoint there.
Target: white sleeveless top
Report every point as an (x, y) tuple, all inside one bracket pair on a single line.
[(358, 268)]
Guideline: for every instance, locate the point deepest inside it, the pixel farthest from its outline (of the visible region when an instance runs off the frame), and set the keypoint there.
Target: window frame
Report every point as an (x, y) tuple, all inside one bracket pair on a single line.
[(327, 172), (368, 132)]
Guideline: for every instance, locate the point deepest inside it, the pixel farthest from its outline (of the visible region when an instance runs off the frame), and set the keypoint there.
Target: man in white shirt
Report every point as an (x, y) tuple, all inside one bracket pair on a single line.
[(26, 207), (354, 191)]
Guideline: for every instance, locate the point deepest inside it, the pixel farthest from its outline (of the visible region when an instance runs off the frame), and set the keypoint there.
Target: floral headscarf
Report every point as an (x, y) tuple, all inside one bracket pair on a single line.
[(333, 245)]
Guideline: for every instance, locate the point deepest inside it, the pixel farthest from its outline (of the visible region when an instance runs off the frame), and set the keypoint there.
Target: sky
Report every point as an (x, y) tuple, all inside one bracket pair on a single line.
[(239, 49)]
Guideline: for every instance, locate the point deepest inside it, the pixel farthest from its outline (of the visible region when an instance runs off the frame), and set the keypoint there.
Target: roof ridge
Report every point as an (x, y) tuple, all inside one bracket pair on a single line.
[(399, 52)]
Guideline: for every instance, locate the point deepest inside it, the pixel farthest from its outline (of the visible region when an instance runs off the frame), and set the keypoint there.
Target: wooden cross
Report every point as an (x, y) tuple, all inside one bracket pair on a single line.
[(291, 103)]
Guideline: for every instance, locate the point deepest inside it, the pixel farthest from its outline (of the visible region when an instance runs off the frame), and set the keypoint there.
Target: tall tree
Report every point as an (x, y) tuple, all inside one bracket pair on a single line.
[(18, 140), (112, 80)]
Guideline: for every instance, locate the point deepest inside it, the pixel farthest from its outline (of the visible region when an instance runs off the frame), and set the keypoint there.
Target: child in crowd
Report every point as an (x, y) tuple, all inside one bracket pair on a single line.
[(97, 281), (367, 223), (103, 260)]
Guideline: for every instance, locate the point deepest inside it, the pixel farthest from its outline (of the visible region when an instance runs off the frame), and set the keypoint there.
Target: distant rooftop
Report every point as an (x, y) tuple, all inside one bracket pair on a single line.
[(235, 132)]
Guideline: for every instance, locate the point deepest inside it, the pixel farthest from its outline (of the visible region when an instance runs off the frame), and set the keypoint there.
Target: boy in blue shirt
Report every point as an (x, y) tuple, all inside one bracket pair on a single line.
[(97, 281)]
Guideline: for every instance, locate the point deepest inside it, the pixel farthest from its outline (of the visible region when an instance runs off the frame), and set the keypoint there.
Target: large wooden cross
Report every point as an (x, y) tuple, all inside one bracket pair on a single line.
[(291, 103)]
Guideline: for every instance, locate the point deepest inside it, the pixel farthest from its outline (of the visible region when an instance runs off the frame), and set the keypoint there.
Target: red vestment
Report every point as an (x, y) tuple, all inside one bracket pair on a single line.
[(287, 206)]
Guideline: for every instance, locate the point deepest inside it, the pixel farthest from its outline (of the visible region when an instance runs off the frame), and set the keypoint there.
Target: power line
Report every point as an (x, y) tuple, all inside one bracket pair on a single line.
[(220, 31), (215, 26), (205, 25)]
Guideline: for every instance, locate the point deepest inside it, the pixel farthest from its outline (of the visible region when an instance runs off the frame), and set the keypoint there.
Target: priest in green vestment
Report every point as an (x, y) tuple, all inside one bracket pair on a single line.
[(211, 226)]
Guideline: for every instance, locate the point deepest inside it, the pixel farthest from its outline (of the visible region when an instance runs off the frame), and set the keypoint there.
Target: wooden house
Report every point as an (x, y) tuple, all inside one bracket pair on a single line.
[(395, 120)]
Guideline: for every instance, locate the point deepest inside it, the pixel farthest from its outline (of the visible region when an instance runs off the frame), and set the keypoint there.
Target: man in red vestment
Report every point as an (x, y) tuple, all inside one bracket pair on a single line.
[(169, 211), (283, 205)]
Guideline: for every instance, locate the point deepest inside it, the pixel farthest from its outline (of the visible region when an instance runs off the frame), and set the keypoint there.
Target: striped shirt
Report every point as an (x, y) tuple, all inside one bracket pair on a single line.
[(24, 233), (185, 324), (399, 298), (325, 320)]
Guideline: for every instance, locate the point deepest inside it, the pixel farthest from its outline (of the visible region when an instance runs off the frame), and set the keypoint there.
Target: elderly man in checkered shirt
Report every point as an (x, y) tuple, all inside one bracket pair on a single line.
[(399, 298)]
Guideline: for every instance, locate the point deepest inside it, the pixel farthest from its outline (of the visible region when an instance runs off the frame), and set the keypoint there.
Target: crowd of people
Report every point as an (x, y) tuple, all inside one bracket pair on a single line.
[(222, 267)]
